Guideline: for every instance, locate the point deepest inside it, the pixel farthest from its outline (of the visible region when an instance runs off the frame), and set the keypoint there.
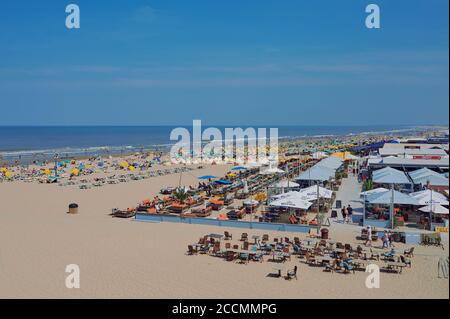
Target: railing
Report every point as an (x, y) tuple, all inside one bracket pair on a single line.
[(226, 223)]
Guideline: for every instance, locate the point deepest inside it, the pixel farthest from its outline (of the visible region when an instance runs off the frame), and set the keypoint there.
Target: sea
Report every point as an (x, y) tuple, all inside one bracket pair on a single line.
[(35, 142)]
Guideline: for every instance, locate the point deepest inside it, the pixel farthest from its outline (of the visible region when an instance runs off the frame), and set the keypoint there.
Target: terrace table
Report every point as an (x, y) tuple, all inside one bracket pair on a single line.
[(360, 263), (279, 254), (216, 236)]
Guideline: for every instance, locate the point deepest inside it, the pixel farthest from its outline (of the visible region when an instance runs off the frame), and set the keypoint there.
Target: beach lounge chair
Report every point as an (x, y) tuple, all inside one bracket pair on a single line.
[(310, 259), (405, 260), (255, 255), (227, 235), (331, 267), (409, 252), (292, 274), (395, 266), (191, 250)]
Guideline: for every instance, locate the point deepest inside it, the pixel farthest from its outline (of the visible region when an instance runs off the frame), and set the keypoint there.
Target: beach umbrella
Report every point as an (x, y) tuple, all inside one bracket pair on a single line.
[(124, 164), (223, 182), (75, 171), (231, 175), (3, 169), (207, 177), (238, 168), (435, 209), (8, 174), (250, 202), (47, 171), (131, 168)]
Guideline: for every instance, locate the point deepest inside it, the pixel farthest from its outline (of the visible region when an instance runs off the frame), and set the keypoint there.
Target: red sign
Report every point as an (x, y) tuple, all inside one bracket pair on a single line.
[(427, 157)]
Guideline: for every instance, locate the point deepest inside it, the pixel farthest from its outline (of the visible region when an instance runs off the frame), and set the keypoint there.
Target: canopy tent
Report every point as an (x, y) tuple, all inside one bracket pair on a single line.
[(392, 196), (435, 209), (285, 184), (428, 196), (373, 191), (317, 173), (291, 203), (389, 175), (422, 172), (311, 192)]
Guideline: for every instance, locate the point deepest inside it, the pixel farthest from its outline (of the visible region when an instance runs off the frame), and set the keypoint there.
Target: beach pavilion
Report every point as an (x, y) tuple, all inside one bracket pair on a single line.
[(389, 176), (433, 202), (377, 216)]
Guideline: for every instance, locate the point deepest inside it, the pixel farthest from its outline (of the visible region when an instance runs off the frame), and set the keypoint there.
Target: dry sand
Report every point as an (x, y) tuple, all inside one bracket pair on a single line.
[(128, 259)]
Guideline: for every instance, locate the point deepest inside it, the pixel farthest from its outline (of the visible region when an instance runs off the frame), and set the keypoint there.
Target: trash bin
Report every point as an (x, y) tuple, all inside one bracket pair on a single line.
[(73, 208), (324, 233)]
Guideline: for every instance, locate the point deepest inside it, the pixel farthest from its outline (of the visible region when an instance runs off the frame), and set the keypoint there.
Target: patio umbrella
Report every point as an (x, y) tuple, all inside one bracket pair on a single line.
[(392, 196), (285, 184), (291, 203), (311, 192), (374, 191), (428, 196), (435, 209)]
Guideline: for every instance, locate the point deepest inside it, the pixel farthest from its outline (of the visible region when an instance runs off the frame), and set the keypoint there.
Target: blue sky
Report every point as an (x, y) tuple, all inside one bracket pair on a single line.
[(249, 62)]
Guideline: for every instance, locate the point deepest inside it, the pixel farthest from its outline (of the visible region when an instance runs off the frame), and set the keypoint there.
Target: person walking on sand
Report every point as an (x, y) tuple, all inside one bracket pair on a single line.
[(349, 212), (391, 239), (385, 239), (344, 214), (369, 236)]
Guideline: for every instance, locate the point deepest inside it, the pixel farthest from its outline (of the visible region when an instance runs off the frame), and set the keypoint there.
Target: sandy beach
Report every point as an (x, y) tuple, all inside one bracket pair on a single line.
[(128, 259)]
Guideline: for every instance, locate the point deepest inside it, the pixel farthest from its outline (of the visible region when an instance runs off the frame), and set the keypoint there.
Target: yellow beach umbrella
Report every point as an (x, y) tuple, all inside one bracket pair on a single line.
[(8, 174), (75, 171), (3, 169), (47, 171), (124, 164), (131, 168)]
